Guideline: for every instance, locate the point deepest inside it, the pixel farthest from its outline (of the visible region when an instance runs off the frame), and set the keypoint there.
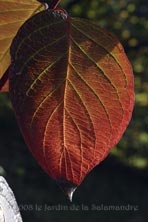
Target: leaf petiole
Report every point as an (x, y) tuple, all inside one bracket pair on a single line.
[(51, 4)]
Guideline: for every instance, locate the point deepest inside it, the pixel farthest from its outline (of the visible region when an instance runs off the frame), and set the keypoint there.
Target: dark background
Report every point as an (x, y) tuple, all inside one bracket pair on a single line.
[(121, 179)]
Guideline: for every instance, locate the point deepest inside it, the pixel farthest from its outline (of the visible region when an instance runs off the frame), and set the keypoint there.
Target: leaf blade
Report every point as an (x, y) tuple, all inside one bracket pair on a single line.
[(78, 94)]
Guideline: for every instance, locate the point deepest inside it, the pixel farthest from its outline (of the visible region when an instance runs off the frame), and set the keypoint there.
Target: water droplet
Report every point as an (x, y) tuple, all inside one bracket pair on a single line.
[(70, 193), (67, 187)]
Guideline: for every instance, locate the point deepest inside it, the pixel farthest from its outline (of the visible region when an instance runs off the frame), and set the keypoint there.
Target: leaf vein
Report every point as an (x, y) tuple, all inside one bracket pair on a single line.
[(117, 93), (33, 32), (45, 131), (10, 23), (111, 54), (86, 111), (38, 52), (42, 102), (93, 91), (80, 136)]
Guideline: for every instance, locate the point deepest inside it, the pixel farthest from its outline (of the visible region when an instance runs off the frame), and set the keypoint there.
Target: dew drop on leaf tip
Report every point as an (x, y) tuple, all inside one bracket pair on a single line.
[(67, 187)]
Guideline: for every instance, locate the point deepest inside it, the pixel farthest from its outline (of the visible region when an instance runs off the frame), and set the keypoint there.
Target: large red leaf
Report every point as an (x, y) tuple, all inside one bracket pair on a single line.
[(71, 86)]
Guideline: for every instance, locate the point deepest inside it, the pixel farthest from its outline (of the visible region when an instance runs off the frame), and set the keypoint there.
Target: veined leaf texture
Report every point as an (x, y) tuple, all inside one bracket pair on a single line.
[(71, 86), (13, 13)]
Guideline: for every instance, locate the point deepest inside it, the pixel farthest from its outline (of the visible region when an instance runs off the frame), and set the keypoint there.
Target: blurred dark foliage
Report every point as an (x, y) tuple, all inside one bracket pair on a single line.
[(122, 179)]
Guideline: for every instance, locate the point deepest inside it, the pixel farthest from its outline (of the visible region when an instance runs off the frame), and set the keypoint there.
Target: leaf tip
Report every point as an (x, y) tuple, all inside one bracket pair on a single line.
[(67, 187)]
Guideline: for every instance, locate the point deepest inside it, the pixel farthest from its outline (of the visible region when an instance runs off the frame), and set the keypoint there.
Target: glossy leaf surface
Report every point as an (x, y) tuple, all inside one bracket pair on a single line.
[(13, 13), (71, 86)]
